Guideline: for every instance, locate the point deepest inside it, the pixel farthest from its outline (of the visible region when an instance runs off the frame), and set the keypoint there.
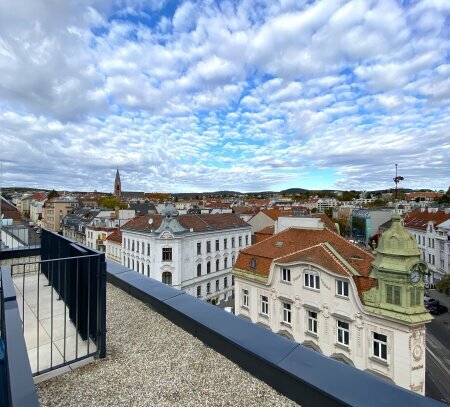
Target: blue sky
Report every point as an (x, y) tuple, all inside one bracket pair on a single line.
[(248, 95)]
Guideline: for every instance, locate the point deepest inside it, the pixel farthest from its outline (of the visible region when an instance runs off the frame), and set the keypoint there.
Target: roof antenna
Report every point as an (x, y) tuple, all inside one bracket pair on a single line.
[(397, 179)]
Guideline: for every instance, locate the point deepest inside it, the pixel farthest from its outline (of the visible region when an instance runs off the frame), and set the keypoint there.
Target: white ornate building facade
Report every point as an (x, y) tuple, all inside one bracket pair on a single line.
[(314, 287), (194, 253)]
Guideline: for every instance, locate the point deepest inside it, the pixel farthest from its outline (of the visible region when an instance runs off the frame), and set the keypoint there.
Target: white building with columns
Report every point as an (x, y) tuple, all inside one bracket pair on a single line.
[(194, 253), (312, 286)]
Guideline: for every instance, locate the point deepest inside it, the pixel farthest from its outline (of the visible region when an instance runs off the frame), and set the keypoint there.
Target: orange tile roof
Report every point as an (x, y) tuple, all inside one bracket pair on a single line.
[(269, 230), (417, 194), (274, 214), (419, 220), (115, 236), (308, 245), (199, 223)]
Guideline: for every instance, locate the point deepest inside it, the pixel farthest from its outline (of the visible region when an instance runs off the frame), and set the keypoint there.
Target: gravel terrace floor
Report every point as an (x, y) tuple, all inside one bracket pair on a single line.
[(152, 362)]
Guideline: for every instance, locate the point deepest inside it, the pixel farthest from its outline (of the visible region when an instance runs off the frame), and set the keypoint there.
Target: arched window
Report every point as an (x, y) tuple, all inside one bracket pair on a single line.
[(208, 267), (199, 270), (233, 259), (148, 270), (167, 278), (217, 265)]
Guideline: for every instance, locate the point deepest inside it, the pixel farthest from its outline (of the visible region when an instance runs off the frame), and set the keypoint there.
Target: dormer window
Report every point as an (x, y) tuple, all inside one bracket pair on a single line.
[(253, 263)]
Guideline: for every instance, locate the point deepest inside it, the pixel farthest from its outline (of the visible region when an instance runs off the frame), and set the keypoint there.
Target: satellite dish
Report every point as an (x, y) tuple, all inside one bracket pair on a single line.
[(150, 221)]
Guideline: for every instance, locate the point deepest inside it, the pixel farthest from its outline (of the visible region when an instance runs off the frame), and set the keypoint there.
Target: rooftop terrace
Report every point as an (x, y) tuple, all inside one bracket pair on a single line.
[(153, 362)]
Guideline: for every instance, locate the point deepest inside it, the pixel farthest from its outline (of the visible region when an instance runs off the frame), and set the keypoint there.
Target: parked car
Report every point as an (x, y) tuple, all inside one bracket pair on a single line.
[(429, 302), (437, 309)]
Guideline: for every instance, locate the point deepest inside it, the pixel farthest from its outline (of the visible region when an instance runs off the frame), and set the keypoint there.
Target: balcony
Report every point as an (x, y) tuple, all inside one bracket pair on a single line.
[(156, 348)]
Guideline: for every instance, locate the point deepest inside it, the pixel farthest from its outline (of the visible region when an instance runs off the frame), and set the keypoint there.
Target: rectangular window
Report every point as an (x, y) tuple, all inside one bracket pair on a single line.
[(167, 254), (415, 295), (217, 245), (342, 288), (137, 247), (199, 248), (240, 241), (245, 298), (225, 262), (199, 291), (393, 294), (312, 281), (232, 242), (312, 322), (246, 240), (208, 246), (143, 248), (380, 346), (148, 249), (208, 288), (225, 282), (286, 275), (264, 305), (217, 285), (286, 312), (343, 333), (225, 243)]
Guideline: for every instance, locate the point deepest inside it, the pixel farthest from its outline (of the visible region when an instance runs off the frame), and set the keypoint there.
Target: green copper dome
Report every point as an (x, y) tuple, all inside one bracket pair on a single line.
[(397, 249), (397, 240)]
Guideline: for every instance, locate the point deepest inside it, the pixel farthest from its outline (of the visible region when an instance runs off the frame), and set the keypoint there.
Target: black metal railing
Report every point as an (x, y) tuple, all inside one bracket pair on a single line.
[(63, 303), (16, 382)]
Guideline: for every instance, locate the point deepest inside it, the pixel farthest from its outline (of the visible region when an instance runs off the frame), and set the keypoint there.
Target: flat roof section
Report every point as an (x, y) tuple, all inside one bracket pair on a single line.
[(152, 362)]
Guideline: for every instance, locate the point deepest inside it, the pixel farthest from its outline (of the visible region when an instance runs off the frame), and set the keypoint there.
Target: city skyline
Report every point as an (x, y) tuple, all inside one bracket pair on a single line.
[(246, 96)]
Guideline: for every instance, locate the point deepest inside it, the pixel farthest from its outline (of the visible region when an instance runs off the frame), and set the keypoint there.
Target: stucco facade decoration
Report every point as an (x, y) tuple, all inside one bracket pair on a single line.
[(364, 309), (194, 253)]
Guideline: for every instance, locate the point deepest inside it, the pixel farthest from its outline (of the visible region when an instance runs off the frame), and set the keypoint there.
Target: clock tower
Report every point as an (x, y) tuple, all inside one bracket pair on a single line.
[(400, 274)]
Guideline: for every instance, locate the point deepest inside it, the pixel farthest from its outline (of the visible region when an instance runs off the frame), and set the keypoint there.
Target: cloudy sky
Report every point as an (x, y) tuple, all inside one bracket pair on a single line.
[(243, 95)]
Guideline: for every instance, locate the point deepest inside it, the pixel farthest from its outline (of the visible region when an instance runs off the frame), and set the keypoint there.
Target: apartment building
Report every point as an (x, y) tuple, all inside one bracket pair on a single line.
[(316, 288), (430, 228), (54, 211), (194, 253)]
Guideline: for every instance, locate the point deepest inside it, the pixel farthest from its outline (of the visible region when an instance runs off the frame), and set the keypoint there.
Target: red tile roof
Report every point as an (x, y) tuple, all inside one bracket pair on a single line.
[(199, 223), (430, 195), (115, 236), (419, 220), (308, 245), (10, 211)]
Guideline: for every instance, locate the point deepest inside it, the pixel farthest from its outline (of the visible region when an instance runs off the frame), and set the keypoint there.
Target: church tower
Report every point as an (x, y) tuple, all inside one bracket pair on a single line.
[(117, 186)]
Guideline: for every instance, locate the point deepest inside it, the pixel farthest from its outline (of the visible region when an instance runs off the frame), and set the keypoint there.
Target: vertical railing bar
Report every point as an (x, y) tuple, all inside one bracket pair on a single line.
[(23, 299), (89, 302), (76, 310), (65, 308), (38, 318), (51, 319), (99, 332)]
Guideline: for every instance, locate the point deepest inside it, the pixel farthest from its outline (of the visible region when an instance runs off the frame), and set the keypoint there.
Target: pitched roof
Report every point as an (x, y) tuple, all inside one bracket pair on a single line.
[(293, 241), (314, 246), (419, 220), (10, 211), (115, 236), (274, 214), (269, 230), (199, 223), (429, 195)]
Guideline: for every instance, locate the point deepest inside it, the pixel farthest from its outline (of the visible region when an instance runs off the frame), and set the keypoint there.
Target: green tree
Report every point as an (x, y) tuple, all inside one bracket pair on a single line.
[(445, 199), (52, 194), (111, 202)]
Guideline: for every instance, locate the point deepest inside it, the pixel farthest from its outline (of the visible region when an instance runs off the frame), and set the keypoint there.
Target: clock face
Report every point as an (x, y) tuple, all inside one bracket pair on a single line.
[(415, 277)]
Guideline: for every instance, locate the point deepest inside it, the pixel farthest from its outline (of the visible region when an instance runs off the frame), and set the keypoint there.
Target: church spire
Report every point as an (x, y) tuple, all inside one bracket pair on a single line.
[(117, 185)]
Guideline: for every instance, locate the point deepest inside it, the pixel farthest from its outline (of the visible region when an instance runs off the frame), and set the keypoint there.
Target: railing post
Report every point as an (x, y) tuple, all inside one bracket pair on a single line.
[(101, 307)]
